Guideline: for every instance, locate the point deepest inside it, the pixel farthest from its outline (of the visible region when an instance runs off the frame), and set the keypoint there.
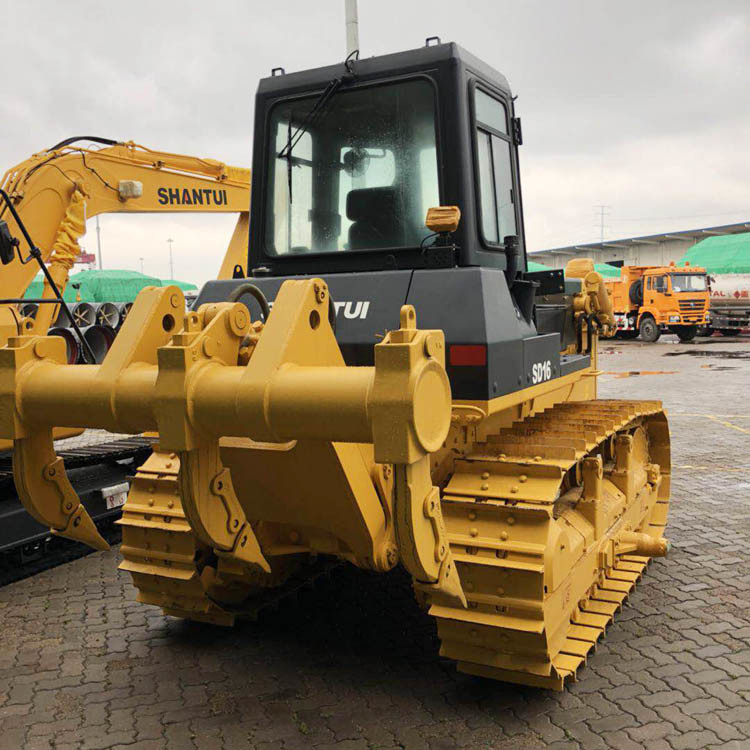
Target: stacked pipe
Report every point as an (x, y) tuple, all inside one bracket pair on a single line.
[(99, 323)]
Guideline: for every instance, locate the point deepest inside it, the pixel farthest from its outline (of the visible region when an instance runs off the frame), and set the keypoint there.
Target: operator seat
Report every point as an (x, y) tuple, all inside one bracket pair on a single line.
[(373, 211)]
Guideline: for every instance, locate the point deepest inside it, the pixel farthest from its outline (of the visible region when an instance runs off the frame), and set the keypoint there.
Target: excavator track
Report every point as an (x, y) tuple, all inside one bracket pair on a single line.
[(540, 591)]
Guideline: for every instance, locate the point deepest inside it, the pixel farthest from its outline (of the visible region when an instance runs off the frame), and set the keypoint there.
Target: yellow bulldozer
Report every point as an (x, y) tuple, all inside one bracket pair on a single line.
[(389, 385)]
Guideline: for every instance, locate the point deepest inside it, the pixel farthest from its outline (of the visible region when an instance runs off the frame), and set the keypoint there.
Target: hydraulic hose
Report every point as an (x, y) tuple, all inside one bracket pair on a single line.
[(93, 138), (253, 290)]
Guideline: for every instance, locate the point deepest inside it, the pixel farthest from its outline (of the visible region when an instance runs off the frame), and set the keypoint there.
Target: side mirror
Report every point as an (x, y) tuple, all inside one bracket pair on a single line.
[(8, 244)]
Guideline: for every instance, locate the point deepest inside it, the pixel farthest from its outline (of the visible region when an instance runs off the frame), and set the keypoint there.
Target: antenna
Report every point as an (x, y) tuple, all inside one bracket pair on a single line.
[(352, 26)]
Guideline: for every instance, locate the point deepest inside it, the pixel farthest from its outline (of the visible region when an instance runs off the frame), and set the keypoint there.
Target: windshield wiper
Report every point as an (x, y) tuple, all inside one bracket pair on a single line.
[(314, 115)]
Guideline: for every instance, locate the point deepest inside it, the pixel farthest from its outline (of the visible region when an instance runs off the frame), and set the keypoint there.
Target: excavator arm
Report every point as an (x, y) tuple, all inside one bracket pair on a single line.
[(55, 191)]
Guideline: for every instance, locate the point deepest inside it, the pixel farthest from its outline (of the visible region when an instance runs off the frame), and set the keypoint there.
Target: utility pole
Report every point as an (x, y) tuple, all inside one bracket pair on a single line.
[(99, 242), (171, 264), (352, 26), (603, 213), (141, 259)]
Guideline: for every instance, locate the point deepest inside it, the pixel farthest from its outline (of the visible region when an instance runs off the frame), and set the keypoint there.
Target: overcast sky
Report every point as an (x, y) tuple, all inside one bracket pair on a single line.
[(641, 106)]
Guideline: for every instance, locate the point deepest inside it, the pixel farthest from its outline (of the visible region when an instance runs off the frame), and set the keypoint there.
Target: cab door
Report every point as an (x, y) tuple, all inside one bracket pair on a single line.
[(649, 296), (660, 285)]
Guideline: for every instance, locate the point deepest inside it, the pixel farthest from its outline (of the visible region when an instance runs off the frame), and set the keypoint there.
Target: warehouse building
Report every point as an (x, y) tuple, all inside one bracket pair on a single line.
[(649, 250)]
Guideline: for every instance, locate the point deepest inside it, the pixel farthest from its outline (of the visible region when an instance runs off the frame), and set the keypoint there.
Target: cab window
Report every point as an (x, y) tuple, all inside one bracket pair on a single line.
[(688, 282), (496, 198), (358, 176)]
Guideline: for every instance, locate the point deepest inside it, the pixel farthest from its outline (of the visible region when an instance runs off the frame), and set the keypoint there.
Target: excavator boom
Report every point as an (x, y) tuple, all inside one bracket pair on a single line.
[(115, 177)]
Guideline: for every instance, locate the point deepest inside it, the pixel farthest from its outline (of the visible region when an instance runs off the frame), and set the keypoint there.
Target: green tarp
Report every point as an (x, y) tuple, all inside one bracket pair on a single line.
[(606, 270), (537, 267), (186, 286), (729, 253), (105, 286)]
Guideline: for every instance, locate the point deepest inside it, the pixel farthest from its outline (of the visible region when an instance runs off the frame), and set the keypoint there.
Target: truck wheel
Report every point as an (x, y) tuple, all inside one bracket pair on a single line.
[(686, 333), (649, 330)]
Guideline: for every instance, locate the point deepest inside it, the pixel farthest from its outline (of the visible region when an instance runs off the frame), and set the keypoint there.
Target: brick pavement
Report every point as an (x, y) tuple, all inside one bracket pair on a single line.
[(354, 664)]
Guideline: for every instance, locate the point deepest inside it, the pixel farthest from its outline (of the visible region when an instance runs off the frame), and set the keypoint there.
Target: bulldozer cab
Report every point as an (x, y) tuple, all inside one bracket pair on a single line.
[(347, 161), (349, 158)]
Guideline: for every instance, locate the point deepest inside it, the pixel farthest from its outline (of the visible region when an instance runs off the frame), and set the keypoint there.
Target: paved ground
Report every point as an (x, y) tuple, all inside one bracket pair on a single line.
[(355, 664)]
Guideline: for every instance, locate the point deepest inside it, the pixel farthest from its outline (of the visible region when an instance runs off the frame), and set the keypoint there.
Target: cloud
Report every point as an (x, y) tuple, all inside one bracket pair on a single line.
[(641, 106), (200, 242)]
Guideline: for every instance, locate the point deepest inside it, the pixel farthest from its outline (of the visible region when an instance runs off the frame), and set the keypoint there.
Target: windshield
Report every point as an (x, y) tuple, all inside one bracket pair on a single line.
[(688, 282), (361, 176)]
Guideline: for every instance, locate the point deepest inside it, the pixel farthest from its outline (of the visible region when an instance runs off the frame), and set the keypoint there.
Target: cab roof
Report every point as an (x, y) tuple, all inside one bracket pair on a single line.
[(381, 66)]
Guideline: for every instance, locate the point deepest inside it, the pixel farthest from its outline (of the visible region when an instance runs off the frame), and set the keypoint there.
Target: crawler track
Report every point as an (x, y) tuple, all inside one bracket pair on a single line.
[(540, 589), (28, 548), (539, 594), (173, 570)]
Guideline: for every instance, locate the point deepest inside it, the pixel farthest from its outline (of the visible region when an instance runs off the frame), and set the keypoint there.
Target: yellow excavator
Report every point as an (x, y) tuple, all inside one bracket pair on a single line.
[(56, 190), (471, 449), (51, 194)]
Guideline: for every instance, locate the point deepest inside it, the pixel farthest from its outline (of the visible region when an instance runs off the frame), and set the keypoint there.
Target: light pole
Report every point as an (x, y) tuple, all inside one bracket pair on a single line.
[(99, 241), (171, 264), (141, 259), (352, 26)]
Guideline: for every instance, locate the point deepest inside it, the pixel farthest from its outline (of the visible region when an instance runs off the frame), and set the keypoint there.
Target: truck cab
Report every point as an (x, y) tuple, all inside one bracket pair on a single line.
[(651, 299)]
